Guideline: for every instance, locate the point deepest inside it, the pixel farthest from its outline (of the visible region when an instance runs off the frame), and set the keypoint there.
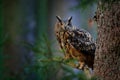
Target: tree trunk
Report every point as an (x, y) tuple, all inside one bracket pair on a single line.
[(1, 40), (107, 59)]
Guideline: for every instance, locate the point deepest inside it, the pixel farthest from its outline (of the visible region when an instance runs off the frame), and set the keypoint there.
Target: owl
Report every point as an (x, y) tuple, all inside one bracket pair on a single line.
[(77, 43)]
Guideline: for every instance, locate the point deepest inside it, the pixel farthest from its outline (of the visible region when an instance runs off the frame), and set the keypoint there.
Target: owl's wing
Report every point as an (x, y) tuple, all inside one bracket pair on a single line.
[(82, 41)]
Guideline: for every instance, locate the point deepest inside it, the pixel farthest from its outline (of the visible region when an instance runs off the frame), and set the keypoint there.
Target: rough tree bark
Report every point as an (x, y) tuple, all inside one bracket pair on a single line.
[(107, 59)]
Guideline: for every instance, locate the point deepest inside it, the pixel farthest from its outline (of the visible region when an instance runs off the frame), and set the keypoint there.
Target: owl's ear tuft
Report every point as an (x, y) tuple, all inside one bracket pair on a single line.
[(59, 19), (69, 19)]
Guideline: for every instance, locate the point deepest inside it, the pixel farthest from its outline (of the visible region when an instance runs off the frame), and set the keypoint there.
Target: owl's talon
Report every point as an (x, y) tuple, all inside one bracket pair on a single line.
[(78, 67)]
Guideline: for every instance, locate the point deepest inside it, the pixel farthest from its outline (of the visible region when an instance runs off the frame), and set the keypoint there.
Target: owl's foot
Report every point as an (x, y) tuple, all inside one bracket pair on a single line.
[(80, 66), (67, 56)]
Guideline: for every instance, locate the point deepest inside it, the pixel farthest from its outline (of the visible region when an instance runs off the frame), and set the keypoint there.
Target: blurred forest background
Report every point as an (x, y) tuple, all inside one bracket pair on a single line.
[(28, 47)]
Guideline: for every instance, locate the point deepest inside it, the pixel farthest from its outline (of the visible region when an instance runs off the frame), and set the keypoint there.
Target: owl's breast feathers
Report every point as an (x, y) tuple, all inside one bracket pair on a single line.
[(79, 39), (78, 43)]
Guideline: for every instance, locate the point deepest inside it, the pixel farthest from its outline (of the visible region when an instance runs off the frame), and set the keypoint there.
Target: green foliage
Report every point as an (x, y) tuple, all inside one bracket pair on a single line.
[(109, 0), (44, 65), (49, 67), (83, 4)]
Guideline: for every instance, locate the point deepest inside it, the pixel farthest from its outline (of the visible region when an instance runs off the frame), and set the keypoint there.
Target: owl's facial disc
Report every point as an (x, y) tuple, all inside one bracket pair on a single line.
[(64, 23)]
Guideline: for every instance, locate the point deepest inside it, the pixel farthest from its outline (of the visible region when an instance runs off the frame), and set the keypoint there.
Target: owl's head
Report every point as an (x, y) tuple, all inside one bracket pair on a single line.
[(62, 25)]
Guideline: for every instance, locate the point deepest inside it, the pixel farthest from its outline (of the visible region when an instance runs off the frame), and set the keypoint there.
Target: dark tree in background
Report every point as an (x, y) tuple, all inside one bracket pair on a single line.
[(18, 20), (12, 52), (107, 56), (1, 40)]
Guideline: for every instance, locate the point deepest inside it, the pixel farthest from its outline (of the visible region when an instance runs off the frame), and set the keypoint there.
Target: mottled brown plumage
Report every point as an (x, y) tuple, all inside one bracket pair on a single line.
[(76, 43)]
